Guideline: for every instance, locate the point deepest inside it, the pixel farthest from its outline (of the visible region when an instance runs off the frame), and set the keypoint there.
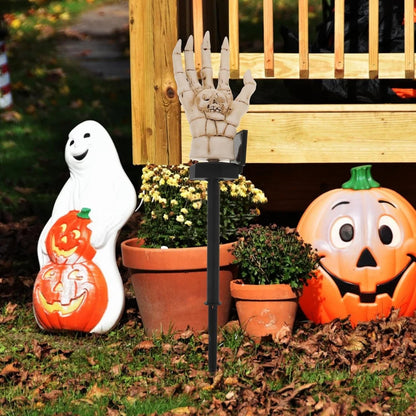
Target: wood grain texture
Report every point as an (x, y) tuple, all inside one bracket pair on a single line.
[(155, 104), (282, 134)]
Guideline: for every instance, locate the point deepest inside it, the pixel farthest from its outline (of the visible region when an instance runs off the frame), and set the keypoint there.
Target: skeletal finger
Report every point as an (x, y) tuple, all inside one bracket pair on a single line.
[(224, 72), (178, 72), (241, 103), (247, 90), (190, 64), (206, 71)]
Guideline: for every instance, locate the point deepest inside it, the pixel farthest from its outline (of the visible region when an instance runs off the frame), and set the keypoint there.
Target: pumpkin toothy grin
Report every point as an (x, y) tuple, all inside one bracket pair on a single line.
[(387, 287), (58, 307), (64, 253)]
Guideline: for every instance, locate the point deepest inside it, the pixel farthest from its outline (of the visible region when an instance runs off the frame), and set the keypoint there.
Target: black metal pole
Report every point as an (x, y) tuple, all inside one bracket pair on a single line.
[(213, 172), (213, 262)]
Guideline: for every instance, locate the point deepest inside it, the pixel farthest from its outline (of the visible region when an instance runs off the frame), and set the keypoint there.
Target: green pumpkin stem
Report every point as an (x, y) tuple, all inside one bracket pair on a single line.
[(361, 179), (84, 213)]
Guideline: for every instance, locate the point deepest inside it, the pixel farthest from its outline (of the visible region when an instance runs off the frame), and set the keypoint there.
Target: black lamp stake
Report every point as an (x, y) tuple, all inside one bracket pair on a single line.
[(213, 172)]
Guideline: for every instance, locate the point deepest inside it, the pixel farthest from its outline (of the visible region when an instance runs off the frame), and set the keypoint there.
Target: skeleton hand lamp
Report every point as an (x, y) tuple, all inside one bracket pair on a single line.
[(212, 114)]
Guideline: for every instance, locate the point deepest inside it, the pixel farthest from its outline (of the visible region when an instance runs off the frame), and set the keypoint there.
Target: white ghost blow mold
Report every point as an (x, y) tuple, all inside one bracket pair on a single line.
[(80, 237)]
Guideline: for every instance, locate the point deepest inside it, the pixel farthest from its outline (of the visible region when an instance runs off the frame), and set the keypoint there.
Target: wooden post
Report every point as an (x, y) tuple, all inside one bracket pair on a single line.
[(373, 39), (339, 38), (268, 38), (409, 40), (234, 39), (303, 39), (155, 103)]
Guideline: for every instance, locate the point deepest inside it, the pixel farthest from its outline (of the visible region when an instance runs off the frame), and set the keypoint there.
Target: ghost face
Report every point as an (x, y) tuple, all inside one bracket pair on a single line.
[(88, 146)]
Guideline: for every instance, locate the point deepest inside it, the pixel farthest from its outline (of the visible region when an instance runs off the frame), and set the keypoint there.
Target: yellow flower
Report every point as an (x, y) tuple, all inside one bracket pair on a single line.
[(188, 223), (15, 24), (165, 217), (197, 205), (184, 211), (174, 202), (172, 182), (180, 218)]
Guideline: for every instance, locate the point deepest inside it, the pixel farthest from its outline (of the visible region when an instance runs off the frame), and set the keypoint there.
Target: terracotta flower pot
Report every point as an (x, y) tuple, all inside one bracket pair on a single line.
[(171, 285), (264, 309)]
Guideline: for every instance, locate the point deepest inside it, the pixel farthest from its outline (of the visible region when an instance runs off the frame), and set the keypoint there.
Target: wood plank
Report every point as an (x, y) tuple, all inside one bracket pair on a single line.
[(409, 40), (321, 65), (141, 58), (198, 23), (373, 34), (303, 13), (339, 39), (325, 137), (268, 43), (167, 141), (156, 125), (233, 31)]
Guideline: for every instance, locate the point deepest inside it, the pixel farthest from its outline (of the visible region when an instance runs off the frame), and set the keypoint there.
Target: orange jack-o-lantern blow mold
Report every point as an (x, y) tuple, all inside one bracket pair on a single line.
[(69, 296), (68, 240), (365, 235), (70, 291)]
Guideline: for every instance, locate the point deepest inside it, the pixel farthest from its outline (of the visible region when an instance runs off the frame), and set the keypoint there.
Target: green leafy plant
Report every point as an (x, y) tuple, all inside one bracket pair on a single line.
[(272, 254), (175, 207)]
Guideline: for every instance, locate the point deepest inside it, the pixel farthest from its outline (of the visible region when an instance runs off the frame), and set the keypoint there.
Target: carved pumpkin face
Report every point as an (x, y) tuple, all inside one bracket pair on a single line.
[(70, 296), (365, 236), (68, 240)]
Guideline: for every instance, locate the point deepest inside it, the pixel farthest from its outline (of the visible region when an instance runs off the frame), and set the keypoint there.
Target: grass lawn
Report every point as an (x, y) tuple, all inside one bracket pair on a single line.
[(51, 96), (327, 370)]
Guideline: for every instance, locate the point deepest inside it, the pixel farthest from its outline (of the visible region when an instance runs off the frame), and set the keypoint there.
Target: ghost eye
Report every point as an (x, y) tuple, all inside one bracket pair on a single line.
[(342, 232), (389, 231), (86, 135)]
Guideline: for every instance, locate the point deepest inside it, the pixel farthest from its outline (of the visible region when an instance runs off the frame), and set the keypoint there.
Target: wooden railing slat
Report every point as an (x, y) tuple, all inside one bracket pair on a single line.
[(233, 31), (268, 38), (373, 35), (409, 40), (198, 22), (303, 13), (339, 38)]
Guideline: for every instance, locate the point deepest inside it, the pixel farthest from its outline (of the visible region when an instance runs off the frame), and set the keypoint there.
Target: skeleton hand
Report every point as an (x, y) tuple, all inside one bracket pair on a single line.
[(212, 114)]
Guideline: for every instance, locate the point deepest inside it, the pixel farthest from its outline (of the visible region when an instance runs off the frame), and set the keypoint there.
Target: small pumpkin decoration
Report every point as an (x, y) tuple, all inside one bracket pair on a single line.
[(70, 292), (365, 237), (70, 296), (68, 240)]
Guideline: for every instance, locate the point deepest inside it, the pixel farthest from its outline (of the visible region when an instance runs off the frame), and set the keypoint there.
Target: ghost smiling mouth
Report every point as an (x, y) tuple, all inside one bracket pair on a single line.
[(81, 156)]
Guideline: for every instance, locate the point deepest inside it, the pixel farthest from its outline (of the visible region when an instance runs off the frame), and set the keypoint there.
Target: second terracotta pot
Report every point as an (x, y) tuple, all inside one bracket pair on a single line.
[(171, 285), (264, 309)]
